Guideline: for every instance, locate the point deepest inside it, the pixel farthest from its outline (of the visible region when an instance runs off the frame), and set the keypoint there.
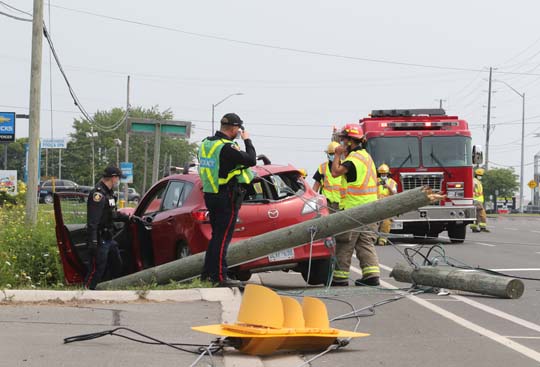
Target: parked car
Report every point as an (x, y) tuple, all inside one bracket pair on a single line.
[(133, 195), (171, 222), (48, 187)]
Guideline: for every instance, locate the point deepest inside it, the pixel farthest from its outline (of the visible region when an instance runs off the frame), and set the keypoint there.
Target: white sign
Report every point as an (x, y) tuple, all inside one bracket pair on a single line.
[(54, 143), (8, 182)]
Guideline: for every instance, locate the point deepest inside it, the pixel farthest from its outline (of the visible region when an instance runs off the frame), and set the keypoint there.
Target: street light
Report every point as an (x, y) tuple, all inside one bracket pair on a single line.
[(220, 102), (522, 95), (118, 144)]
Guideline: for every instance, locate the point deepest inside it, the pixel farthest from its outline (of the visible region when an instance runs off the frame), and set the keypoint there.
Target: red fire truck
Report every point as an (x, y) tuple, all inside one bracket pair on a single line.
[(427, 147)]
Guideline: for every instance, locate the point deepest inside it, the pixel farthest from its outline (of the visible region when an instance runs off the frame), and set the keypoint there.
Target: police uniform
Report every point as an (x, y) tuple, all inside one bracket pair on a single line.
[(101, 214), (223, 169), (359, 187)]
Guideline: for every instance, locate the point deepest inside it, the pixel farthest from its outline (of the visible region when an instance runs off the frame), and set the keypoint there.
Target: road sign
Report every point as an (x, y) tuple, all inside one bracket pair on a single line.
[(7, 126), (54, 143), (180, 129), (127, 170), (532, 184)]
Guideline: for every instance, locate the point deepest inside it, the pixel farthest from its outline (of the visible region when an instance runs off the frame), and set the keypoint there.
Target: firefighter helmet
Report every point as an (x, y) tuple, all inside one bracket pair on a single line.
[(383, 169), (479, 172), (352, 131), (332, 147)]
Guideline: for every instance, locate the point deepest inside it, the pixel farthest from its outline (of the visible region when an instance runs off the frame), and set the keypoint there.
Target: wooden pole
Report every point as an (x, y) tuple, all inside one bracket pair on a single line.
[(474, 281), (284, 238)]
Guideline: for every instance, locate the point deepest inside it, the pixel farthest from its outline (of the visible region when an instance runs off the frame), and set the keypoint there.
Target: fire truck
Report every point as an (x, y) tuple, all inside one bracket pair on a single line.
[(425, 147)]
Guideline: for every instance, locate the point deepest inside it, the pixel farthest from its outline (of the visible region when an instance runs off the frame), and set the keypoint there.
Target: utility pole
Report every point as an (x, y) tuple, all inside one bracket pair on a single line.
[(522, 170), (145, 165), (157, 146), (488, 124), (35, 105), (441, 102), (127, 141)]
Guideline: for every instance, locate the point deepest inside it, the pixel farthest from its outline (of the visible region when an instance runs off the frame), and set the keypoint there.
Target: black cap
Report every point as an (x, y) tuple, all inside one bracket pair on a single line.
[(231, 119), (113, 171)]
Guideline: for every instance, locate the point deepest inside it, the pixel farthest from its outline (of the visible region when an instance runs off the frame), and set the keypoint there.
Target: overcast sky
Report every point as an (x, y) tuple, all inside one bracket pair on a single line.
[(291, 99)]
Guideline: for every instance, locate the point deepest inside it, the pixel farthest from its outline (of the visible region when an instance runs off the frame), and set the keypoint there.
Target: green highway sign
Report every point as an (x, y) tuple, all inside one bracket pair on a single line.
[(180, 129)]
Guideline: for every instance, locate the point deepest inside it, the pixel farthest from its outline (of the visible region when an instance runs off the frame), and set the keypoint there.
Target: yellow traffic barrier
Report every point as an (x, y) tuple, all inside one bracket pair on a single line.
[(268, 322)]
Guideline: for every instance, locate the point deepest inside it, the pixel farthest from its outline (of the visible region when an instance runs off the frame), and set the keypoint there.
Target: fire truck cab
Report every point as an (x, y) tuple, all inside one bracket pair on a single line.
[(425, 147)]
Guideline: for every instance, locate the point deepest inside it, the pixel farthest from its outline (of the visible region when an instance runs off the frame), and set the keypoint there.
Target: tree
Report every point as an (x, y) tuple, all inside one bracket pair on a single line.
[(16, 157), (501, 180), (77, 159)]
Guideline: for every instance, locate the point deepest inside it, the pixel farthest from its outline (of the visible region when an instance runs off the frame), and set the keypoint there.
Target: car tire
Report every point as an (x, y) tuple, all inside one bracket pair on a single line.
[(457, 233), (182, 251), (320, 271), (48, 199)]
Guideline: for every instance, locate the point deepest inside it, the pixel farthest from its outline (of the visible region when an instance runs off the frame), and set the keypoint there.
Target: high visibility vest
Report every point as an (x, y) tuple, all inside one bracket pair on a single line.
[(209, 153), (383, 191), (478, 190), (331, 185), (364, 189)]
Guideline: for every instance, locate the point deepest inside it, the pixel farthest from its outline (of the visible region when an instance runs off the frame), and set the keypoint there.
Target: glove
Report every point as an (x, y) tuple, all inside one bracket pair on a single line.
[(92, 247)]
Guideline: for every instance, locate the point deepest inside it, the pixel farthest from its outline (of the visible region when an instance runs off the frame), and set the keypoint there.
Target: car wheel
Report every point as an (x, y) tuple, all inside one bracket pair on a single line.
[(457, 233), (48, 199), (182, 251), (320, 271)]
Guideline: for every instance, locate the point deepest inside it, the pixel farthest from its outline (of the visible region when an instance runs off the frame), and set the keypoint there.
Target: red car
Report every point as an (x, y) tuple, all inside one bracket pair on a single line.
[(175, 224)]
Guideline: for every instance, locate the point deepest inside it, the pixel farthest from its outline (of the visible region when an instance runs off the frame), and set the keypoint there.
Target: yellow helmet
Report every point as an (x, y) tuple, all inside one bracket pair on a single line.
[(332, 147), (479, 172), (383, 168)]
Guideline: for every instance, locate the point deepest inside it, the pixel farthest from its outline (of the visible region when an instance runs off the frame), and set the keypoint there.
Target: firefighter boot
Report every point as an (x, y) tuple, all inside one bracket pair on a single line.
[(474, 228), (381, 241), (483, 228)]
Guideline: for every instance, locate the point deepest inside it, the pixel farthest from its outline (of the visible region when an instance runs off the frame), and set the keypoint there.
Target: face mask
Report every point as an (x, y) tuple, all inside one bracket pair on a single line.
[(330, 156), (239, 134), (383, 177), (479, 177)]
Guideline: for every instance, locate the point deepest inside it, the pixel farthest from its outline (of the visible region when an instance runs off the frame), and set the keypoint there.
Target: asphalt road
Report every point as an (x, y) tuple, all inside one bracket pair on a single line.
[(455, 330)]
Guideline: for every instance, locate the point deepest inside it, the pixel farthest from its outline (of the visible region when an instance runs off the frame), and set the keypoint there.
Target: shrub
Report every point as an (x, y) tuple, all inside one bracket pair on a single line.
[(28, 254)]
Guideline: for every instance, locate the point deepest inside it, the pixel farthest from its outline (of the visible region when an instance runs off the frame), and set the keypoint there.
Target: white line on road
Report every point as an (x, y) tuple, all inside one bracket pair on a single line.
[(486, 244), (523, 337), (510, 229), (507, 342), (536, 231)]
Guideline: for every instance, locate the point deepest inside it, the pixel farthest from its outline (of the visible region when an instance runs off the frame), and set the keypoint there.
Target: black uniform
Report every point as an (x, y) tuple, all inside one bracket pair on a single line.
[(101, 213), (223, 207)]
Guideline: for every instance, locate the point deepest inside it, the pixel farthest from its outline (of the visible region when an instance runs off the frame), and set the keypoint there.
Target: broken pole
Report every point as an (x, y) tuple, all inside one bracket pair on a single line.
[(281, 239), (469, 280)]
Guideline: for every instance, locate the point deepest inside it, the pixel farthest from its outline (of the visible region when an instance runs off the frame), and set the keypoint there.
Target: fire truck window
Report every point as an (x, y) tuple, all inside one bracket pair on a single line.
[(450, 151), (395, 152)]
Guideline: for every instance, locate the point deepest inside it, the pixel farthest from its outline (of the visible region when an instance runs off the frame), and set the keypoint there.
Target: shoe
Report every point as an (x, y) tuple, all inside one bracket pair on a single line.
[(339, 283), (371, 282), (475, 229), (484, 229), (381, 241), (228, 282)]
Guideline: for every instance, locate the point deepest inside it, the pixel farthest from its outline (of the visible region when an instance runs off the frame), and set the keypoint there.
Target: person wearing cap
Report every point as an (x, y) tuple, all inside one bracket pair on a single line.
[(224, 171), (358, 187), (101, 214), (386, 187)]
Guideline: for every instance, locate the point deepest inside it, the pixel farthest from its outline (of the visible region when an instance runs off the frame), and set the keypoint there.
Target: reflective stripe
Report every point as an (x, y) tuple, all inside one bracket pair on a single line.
[(340, 274), (478, 190), (331, 185), (370, 270), (364, 189)]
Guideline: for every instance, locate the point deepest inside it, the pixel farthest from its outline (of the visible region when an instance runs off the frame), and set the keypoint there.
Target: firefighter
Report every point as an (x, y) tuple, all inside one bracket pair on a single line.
[(101, 215), (325, 183), (481, 218), (358, 187), (224, 171), (386, 187)]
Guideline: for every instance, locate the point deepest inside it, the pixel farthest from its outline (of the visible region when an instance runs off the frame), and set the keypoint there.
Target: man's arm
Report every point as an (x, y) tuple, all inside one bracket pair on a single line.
[(317, 177), (337, 168), (233, 154)]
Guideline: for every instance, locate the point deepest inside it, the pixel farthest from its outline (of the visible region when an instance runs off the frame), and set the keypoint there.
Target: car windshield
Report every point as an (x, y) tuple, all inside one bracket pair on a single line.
[(395, 151), (446, 151), (274, 187)]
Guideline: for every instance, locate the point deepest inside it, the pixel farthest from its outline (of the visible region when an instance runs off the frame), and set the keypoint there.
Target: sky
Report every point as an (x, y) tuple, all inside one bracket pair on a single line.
[(302, 66)]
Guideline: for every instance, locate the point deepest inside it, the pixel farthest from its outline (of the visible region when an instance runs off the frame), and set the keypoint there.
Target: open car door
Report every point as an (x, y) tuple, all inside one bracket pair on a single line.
[(70, 218)]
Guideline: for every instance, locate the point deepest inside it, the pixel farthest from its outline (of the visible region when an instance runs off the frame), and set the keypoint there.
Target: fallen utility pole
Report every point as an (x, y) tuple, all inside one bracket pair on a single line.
[(284, 238), (469, 280)]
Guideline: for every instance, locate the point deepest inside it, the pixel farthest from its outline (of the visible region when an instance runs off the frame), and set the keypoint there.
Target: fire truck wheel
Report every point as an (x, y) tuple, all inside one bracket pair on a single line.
[(457, 233)]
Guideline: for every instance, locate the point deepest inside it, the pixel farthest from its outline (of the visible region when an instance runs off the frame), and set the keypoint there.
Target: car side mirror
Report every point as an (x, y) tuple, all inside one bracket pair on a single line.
[(477, 155)]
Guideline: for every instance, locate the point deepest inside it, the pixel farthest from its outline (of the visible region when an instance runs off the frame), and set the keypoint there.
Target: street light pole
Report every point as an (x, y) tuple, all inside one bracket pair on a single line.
[(220, 102), (522, 165)]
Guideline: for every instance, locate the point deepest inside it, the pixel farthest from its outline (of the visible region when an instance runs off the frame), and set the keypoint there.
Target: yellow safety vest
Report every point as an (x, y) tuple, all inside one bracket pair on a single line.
[(364, 189), (331, 185), (478, 190), (383, 191)]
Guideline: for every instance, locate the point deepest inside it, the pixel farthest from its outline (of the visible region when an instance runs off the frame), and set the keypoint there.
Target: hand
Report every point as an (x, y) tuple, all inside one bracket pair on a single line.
[(339, 150), (244, 134)]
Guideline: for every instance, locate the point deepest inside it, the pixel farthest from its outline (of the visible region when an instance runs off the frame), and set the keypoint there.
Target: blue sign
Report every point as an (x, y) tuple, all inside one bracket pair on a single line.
[(7, 126), (127, 171)]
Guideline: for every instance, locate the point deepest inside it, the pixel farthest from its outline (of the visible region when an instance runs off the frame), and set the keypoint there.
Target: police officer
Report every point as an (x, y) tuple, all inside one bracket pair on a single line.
[(386, 187), (223, 169), (101, 213), (358, 187)]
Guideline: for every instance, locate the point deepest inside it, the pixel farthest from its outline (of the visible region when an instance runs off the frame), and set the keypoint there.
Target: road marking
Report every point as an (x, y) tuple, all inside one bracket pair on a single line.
[(523, 337), (407, 245), (486, 244), (510, 229), (536, 231), (507, 342)]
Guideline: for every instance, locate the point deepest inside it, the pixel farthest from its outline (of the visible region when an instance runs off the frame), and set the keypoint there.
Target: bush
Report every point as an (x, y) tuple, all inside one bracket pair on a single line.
[(28, 255)]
